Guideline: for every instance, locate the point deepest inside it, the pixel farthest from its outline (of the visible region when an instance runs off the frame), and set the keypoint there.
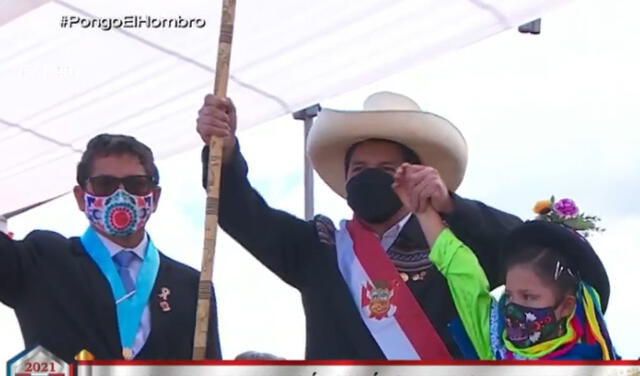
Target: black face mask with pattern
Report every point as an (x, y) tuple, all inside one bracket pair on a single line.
[(371, 197), (528, 326)]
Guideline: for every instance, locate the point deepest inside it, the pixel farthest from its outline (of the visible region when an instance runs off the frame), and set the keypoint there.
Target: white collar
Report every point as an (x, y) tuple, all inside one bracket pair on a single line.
[(390, 236), (140, 250)]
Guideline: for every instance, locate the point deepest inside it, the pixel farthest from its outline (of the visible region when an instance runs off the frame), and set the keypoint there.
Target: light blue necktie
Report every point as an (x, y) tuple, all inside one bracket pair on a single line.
[(123, 259)]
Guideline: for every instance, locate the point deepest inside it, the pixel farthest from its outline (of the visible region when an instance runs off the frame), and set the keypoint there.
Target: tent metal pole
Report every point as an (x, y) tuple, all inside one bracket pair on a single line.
[(4, 226), (307, 116), (532, 27)]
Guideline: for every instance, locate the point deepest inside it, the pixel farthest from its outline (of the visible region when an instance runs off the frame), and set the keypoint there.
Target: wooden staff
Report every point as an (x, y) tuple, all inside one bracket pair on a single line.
[(213, 187)]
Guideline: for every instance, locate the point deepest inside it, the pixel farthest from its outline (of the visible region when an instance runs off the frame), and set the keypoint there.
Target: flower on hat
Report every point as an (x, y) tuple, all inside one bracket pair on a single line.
[(567, 213), (543, 207), (566, 208)]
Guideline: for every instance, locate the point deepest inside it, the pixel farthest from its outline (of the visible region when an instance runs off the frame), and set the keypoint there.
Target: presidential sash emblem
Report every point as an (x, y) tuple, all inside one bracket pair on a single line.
[(378, 300)]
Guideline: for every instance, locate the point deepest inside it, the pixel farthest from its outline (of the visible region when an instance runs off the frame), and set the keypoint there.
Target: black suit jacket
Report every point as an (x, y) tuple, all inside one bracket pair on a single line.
[(292, 248), (64, 303)]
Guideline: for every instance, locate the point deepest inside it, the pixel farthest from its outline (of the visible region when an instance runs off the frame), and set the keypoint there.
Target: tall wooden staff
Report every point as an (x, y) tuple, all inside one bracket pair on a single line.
[(213, 186)]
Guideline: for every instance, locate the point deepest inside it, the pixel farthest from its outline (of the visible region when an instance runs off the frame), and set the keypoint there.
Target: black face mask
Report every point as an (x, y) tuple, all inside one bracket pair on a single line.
[(371, 197)]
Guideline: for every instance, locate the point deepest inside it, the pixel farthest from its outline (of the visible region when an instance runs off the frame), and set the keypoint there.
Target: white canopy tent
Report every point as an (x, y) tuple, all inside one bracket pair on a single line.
[(61, 86)]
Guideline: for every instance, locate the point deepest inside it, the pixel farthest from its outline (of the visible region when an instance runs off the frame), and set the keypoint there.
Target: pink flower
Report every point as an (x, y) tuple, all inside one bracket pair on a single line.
[(566, 208)]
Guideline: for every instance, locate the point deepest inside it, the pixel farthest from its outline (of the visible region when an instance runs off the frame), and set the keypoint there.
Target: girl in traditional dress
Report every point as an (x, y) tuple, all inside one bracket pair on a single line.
[(556, 286)]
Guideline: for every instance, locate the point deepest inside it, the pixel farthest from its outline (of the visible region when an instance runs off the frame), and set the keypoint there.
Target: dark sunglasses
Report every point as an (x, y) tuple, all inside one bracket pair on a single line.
[(105, 185)]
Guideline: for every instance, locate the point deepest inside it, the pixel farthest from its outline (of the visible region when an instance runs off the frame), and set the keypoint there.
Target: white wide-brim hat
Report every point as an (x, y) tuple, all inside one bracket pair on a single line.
[(388, 116)]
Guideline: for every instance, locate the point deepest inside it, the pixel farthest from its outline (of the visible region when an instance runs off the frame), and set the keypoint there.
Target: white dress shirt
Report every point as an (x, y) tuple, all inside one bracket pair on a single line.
[(390, 236)]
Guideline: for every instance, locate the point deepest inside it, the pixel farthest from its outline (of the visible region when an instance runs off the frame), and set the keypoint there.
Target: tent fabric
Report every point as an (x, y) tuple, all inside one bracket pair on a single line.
[(59, 86)]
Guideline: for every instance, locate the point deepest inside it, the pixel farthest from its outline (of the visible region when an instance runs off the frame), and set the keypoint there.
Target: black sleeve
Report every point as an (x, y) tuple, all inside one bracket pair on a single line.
[(277, 239), (213, 336), (483, 229), (15, 260)]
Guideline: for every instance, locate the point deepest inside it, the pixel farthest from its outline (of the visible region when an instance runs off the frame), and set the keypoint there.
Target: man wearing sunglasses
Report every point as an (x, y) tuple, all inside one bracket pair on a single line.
[(109, 291)]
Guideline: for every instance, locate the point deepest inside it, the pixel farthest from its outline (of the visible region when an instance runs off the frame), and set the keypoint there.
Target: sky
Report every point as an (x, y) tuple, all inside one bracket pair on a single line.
[(550, 114)]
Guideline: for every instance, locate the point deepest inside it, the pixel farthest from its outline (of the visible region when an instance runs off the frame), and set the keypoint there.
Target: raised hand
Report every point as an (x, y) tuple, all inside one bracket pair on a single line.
[(217, 117), (425, 186), (417, 186), (404, 188)]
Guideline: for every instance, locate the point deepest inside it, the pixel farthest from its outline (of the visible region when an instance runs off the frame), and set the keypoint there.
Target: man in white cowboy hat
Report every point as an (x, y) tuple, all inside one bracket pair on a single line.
[(368, 288)]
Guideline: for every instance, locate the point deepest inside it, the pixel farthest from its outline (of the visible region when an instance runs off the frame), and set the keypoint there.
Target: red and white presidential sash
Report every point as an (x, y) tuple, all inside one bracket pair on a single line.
[(388, 308)]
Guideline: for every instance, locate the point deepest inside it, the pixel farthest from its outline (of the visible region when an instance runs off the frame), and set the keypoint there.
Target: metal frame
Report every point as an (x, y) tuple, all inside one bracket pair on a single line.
[(532, 27), (307, 116)]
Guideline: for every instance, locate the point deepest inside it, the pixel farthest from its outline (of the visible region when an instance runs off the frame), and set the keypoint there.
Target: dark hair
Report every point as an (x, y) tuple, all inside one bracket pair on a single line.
[(254, 355), (408, 155), (550, 266), (104, 145)]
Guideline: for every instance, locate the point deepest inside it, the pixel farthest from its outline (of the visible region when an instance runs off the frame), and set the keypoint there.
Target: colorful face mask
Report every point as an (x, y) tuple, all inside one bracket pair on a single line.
[(529, 326), (120, 214)]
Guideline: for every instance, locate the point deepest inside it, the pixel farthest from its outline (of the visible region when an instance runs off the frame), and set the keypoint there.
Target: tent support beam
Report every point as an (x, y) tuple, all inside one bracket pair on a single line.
[(532, 27), (307, 116), (4, 226)]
